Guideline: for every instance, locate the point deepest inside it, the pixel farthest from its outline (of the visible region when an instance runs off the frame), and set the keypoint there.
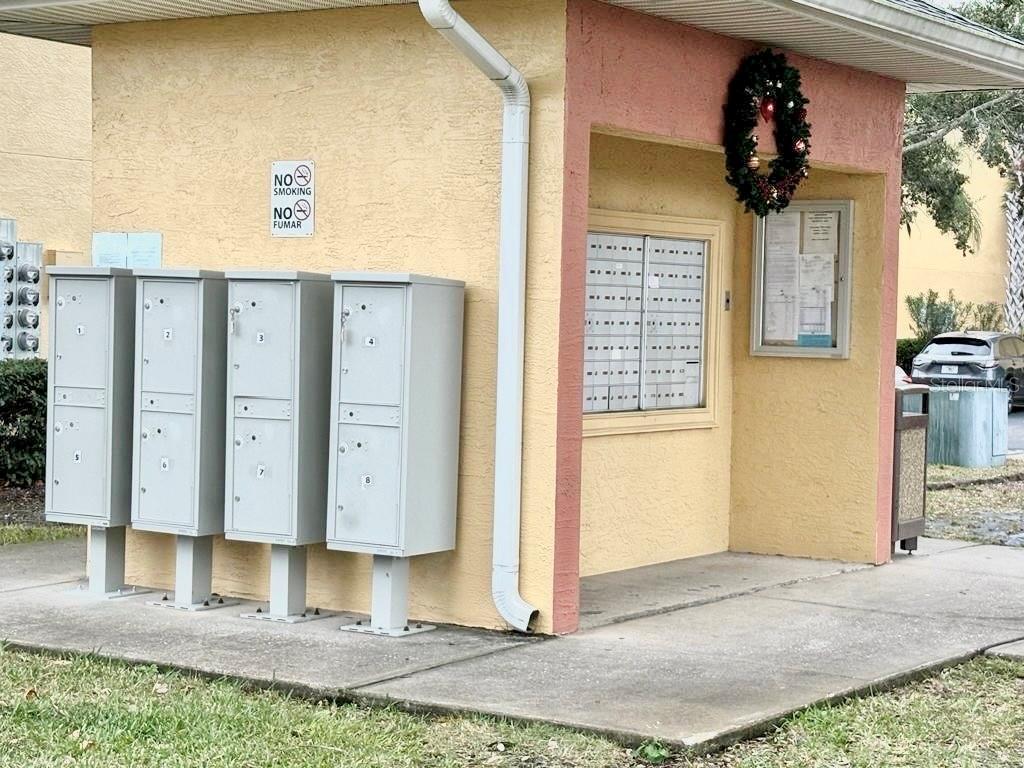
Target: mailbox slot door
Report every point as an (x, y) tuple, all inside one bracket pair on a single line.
[(368, 485), (262, 473), (81, 332), (167, 469), (79, 456), (372, 355), (262, 330), (170, 336)]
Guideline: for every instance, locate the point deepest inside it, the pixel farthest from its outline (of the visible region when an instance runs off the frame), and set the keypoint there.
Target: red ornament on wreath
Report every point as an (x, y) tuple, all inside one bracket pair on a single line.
[(766, 86)]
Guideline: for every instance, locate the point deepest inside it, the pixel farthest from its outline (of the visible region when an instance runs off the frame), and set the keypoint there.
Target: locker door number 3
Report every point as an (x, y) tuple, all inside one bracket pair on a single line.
[(261, 337)]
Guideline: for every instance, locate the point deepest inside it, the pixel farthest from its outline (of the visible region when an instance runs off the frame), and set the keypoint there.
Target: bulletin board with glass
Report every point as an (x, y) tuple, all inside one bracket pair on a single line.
[(801, 281)]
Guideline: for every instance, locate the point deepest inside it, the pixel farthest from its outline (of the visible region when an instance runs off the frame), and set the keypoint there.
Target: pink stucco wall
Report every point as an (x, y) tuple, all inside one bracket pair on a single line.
[(630, 72)]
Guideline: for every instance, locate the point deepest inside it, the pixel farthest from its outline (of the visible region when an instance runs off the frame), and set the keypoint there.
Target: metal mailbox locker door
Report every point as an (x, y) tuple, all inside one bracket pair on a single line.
[(81, 329), (263, 329), (167, 468), (369, 468), (373, 345), (262, 475), (169, 336), (79, 461)]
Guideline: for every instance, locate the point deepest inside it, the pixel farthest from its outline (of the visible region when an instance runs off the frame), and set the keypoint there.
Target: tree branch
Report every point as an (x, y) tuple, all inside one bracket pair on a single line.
[(949, 127)]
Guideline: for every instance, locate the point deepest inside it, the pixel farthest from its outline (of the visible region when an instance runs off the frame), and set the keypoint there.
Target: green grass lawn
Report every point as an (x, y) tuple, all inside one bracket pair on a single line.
[(26, 534), (80, 711), (968, 717)]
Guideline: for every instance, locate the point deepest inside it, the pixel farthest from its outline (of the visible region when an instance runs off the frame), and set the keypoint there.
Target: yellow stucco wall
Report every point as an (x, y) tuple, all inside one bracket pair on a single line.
[(804, 452), (659, 496), (45, 142), (929, 259), (406, 136)]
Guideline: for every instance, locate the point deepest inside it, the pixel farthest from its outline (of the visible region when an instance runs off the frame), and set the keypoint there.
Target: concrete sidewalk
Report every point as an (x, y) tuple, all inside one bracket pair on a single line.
[(743, 655)]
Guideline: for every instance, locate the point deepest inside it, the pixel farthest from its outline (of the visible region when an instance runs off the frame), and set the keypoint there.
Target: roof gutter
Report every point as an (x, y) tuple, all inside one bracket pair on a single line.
[(981, 49), (508, 442)]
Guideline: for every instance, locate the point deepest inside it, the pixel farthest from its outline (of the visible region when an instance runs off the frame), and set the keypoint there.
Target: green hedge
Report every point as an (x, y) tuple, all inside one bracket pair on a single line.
[(22, 422), (907, 350)]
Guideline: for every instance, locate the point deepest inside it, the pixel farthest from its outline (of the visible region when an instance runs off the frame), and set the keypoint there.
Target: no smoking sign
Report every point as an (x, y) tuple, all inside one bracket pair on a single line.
[(292, 198)]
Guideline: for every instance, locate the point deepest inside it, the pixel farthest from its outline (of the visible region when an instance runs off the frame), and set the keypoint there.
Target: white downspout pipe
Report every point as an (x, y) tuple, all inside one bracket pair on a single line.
[(508, 442)]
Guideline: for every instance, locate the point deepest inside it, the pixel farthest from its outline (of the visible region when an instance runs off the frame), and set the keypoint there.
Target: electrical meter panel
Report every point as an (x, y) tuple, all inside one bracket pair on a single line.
[(278, 376), (178, 447), (8, 286), (395, 403), (28, 262), (89, 411)]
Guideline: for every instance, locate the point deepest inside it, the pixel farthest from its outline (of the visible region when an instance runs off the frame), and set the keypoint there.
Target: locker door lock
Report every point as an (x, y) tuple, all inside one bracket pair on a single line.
[(233, 313), (346, 313)]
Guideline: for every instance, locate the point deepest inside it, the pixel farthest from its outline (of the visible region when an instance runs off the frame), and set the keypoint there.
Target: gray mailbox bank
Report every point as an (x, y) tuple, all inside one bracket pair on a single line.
[(278, 368), (89, 413), (395, 400), (178, 448)]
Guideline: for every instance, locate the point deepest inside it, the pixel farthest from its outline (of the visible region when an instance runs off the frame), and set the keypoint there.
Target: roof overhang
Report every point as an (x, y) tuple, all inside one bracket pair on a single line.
[(908, 40)]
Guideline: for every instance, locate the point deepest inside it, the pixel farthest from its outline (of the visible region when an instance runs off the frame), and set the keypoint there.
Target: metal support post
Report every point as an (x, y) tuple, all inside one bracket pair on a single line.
[(287, 581), (105, 569), (389, 603), (106, 560), (193, 576), (287, 587)]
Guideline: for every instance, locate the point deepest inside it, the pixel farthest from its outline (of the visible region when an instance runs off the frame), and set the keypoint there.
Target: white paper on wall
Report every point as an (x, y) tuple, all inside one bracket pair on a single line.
[(109, 249), (781, 277), (817, 288), (821, 232), (145, 250)]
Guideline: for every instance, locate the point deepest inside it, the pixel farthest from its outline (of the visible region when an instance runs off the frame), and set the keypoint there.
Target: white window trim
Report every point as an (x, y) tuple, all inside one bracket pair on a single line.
[(841, 351), (710, 231)]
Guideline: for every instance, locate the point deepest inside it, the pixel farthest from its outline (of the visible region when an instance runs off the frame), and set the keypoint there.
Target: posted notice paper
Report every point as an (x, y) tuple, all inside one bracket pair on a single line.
[(821, 232), (781, 277), (817, 289)]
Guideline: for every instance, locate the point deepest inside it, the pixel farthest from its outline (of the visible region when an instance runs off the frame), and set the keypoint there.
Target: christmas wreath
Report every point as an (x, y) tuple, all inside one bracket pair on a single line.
[(766, 85)]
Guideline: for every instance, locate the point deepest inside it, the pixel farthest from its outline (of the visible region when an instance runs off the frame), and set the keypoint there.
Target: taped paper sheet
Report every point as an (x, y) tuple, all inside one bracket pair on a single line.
[(782, 277), (817, 288), (821, 232)]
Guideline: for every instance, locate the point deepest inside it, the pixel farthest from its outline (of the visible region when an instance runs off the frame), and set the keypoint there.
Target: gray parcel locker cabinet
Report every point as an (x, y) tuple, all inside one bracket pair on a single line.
[(89, 412), (278, 410), (395, 403), (178, 448)]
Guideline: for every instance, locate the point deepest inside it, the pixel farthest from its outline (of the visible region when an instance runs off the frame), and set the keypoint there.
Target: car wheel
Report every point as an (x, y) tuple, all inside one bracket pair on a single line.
[(1011, 389)]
